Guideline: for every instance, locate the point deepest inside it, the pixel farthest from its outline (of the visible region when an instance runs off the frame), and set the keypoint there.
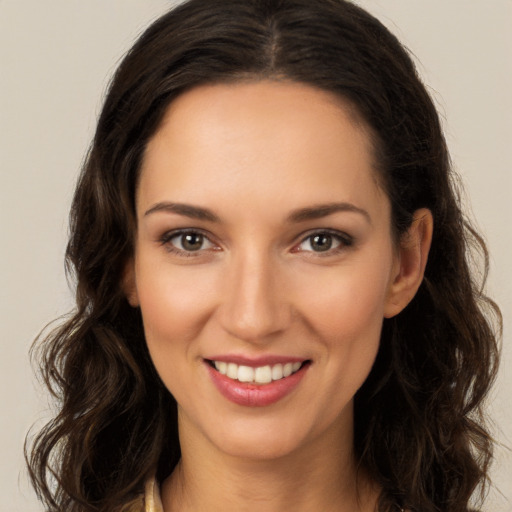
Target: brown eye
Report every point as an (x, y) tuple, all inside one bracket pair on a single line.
[(192, 241), (321, 243), (325, 242), (188, 241)]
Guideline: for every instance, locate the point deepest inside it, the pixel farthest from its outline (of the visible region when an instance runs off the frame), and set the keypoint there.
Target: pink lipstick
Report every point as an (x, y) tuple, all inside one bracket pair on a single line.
[(256, 382)]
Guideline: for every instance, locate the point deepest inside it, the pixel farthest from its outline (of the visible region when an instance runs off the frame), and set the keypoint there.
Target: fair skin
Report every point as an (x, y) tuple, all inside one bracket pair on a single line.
[(263, 235)]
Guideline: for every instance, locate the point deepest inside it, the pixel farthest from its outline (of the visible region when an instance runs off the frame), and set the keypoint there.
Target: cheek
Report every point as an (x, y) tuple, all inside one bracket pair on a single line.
[(352, 302), (172, 299), (351, 332), (346, 312), (175, 307)]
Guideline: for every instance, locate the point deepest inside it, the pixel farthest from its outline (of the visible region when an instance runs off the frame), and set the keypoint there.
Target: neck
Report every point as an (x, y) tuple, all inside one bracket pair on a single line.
[(320, 476)]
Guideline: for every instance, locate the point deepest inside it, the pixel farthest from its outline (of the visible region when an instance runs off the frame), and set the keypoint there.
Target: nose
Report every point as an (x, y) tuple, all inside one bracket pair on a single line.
[(255, 307)]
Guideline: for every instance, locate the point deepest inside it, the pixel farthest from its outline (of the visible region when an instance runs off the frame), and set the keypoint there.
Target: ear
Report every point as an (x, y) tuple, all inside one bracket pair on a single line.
[(411, 262), (129, 285)]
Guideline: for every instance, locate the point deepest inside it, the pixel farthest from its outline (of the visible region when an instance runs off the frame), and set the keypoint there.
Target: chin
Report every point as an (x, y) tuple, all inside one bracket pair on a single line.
[(260, 445)]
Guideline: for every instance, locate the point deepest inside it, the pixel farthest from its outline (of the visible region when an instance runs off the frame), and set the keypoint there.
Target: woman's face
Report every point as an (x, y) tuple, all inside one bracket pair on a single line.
[(263, 247)]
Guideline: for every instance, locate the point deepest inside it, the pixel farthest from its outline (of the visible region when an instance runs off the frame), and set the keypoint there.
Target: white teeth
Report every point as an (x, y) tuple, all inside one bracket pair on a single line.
[(232, 371), (245, 373), (287, 369), (263, 375), (277, 372), (259, 375), (221, 366)]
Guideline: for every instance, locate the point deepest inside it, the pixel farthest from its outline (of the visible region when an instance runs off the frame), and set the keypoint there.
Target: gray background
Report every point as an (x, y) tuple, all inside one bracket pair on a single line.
[(55, 60)]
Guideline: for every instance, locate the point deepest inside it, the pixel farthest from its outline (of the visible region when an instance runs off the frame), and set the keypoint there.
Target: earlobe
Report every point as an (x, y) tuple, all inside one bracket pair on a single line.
[(411, 262), (129, 285)]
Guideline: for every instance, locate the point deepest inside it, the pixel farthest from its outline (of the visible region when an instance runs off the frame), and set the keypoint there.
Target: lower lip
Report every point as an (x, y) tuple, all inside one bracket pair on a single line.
[(256, 395)]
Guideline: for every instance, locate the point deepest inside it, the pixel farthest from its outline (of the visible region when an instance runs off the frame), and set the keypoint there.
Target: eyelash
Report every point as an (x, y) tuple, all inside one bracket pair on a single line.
[(343, 239), (166, 241)]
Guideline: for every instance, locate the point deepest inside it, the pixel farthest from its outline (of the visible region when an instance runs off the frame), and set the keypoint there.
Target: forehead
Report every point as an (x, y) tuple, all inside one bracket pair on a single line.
[(264, 138)]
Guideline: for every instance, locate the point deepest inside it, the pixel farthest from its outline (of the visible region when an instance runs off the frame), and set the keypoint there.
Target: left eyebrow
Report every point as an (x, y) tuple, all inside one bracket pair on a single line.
[(323, 210)]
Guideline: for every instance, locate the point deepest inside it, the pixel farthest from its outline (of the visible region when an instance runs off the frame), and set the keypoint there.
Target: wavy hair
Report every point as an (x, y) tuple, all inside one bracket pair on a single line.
[(420, 430)]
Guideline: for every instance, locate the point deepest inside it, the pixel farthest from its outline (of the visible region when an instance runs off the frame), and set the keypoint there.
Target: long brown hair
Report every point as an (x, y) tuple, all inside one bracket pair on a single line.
[(420, 430)]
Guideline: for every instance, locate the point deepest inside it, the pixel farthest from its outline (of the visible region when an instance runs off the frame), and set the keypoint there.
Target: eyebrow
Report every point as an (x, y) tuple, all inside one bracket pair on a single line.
[(324, 210), (187, 210), (296, 216)]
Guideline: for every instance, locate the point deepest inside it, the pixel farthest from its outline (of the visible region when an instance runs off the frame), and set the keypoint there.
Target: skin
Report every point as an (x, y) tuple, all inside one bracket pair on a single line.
[(254, 154)]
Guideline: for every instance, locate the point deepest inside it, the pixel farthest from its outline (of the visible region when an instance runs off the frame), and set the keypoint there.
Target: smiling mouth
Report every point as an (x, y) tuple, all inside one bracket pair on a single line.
[(259, 375)]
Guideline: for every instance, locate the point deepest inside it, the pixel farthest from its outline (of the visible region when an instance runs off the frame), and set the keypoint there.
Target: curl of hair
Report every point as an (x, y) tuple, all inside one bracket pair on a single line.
[(420, 431)]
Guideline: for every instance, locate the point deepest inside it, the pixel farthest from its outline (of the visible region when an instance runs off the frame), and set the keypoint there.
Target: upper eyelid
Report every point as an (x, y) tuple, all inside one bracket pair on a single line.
[(165, 240), (329, 231), (299, 239), (182, 231), (345, 241), (166, 237)]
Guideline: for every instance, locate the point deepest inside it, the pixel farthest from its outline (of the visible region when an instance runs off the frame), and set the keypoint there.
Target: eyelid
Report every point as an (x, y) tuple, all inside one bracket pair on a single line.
[(345, 240), (166, 238)]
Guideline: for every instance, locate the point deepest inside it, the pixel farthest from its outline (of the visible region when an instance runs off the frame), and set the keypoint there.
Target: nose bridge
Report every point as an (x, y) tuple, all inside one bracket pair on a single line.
[(255, 305)]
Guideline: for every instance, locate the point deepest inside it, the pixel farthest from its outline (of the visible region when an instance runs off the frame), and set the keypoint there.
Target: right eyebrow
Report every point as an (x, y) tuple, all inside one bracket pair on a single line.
[(324, 210), (187, 210)]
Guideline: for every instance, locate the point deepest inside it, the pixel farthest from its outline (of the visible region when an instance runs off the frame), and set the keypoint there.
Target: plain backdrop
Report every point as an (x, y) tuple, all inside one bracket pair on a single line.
[(56, 57)]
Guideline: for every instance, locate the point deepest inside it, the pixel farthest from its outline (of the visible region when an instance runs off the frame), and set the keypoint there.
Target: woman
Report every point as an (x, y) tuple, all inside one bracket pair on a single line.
[(274, 303)]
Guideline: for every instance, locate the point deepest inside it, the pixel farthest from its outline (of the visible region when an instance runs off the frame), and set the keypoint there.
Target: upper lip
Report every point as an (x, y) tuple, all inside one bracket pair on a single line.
[(258, 361)]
